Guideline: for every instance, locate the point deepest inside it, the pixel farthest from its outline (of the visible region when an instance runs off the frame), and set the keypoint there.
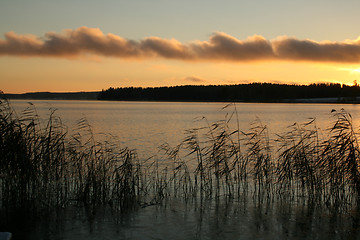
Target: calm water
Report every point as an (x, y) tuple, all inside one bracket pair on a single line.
[(231, 220), (146, 125)]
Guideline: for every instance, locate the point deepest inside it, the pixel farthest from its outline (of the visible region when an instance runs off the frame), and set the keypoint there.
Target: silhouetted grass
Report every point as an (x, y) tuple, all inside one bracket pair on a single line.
[(43, 166)]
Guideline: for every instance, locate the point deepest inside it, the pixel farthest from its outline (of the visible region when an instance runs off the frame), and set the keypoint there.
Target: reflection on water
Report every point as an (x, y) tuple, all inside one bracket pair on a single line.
[(246, 218)]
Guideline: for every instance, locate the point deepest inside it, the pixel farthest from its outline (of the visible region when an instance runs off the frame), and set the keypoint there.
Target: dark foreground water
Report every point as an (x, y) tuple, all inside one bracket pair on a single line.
[(195, 219)]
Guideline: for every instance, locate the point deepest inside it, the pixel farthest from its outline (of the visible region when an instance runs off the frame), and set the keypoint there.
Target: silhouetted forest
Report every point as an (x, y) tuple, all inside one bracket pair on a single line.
[(253, 92)]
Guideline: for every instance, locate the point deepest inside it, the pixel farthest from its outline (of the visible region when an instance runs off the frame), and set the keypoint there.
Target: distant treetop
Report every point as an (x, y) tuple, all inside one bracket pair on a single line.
[(252, 92)]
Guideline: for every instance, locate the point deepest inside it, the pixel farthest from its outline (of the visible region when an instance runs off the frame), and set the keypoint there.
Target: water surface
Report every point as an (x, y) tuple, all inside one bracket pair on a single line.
[(146, 125)]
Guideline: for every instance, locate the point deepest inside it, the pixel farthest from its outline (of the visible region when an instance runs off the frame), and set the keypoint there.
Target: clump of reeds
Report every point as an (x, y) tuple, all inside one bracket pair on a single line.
[(298, 159), (298, 164), (43, 165), (340, 160), (32, 165)]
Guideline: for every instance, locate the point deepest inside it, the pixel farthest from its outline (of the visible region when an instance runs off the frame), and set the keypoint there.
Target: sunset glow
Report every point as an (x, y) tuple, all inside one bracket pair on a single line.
[(89, 56)]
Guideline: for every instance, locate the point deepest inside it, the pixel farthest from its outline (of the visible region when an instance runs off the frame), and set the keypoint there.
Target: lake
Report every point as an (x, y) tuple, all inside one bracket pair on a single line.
[(144, 126)]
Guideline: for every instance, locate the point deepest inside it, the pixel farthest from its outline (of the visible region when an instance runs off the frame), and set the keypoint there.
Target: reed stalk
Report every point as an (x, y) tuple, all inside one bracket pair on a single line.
[(43, 166)]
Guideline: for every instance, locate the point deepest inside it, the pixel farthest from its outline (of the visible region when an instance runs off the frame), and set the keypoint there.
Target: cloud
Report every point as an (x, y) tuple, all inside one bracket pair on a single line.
[(308, 50), (219, 47), (195, 79), (157, 47), (226, 47), (69, 43)]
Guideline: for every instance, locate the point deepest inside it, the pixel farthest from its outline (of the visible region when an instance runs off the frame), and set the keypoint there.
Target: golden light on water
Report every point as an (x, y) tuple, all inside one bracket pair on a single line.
[(355, 70)]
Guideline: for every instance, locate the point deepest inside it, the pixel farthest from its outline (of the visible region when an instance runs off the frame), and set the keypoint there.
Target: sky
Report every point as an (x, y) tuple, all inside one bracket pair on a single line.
[(79, 45)]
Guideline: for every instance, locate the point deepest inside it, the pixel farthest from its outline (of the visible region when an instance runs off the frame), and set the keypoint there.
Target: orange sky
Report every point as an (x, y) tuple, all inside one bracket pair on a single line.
[(92, 75), (85, 59), (121, 45)]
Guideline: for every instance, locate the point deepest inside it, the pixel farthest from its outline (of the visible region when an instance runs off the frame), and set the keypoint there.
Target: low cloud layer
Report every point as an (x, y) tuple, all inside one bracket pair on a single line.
[(195, 79), (220, 46)]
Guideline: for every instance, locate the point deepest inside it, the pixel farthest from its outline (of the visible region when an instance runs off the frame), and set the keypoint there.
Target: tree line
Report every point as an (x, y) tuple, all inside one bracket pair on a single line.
[(253, 92)]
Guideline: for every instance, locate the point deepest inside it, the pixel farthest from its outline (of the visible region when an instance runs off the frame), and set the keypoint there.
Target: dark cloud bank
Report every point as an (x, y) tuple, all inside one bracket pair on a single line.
[(220, 46)]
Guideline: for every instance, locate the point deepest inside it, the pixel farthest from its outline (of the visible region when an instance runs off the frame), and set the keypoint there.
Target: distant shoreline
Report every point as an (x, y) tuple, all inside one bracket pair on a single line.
[(92, 98), (253, 92), (248, 93), (52, 96)]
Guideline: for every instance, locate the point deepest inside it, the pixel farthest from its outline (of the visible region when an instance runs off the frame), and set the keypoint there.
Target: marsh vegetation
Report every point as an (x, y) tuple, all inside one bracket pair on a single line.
[(44, 166)]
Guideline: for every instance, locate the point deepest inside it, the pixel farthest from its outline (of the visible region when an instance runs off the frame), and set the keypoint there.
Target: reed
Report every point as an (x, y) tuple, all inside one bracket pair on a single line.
[(44, 166)]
